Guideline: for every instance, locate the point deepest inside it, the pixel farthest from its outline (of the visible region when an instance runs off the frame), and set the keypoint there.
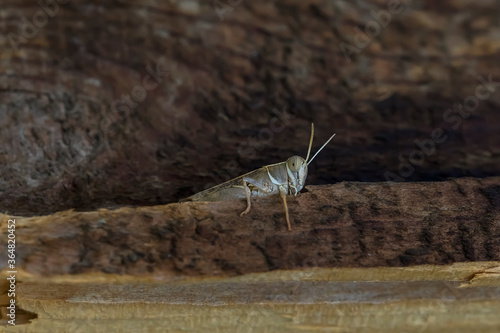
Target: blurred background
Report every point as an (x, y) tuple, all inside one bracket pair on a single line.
[(108, 103)]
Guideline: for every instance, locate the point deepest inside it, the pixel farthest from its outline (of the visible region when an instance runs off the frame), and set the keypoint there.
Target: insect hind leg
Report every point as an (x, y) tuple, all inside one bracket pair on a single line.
[(248, 193)]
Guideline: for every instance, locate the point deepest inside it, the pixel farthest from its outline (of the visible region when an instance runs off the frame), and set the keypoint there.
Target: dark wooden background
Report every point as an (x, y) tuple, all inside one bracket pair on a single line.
[(64, 145)]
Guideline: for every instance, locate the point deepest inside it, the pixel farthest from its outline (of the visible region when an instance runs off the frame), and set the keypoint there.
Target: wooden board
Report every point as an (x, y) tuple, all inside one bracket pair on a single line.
[(348, 224), (461, 297)]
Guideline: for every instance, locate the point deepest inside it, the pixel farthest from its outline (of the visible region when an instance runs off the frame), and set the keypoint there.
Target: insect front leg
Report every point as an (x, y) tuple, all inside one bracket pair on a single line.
[(283, 196)]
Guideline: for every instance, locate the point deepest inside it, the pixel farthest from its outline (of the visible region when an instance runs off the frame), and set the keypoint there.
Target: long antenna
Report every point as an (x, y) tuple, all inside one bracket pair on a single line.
[(310, 141), (320, 149)]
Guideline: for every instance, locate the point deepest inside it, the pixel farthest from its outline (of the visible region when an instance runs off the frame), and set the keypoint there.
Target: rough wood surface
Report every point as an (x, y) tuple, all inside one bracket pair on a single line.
[(71, 137), (454, 298), (343, 225), (64, 145)]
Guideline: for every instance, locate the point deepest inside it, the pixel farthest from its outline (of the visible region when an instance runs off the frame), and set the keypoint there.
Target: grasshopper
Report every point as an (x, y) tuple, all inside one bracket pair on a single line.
[(280, 178)]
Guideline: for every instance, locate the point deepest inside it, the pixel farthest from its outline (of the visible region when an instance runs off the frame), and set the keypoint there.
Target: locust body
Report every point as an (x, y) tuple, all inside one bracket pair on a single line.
[(284, 178)]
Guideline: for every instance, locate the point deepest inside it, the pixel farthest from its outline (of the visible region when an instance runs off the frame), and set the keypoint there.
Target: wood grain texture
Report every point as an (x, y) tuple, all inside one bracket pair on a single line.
[(343, 225), (449, 298), (65, 146)]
